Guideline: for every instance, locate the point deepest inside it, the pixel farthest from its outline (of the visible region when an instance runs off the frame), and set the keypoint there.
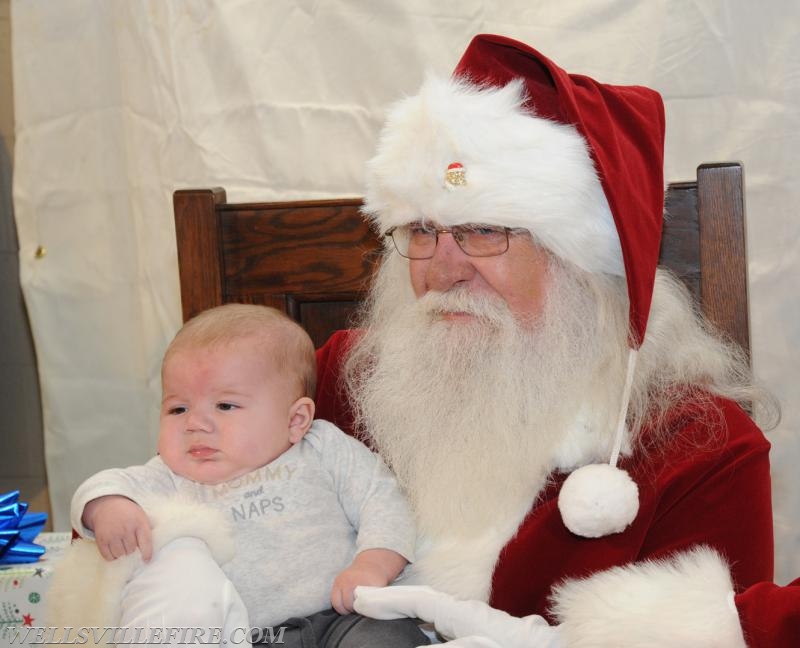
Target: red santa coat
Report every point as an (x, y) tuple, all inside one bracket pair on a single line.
[(706, 485)]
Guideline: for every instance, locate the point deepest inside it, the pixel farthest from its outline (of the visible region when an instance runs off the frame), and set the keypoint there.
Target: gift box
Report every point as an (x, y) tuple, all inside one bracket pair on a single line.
[(23, 589)]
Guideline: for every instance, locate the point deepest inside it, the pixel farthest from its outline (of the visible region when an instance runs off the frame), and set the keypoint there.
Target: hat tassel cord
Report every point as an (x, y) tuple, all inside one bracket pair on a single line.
[(600, 499)]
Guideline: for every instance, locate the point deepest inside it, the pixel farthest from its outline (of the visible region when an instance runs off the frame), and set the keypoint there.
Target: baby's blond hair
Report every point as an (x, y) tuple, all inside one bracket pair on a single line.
[(274, 333)]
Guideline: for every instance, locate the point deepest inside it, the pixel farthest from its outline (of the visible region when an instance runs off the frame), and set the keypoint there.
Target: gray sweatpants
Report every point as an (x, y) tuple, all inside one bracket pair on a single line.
[(329, 629)]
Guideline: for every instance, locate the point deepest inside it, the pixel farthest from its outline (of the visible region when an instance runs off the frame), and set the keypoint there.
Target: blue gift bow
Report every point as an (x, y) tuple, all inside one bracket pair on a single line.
[(9, 498), (18, 529), (31, 525)]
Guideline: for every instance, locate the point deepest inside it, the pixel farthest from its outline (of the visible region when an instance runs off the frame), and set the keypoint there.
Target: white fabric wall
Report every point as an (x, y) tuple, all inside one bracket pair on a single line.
[(118, 103)]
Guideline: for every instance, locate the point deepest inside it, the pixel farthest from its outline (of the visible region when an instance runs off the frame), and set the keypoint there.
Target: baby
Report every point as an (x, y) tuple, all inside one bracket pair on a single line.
[(314, 513)]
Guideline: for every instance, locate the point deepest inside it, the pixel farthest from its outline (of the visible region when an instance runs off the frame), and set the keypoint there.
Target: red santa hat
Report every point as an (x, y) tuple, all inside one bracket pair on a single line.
[(512, 139)]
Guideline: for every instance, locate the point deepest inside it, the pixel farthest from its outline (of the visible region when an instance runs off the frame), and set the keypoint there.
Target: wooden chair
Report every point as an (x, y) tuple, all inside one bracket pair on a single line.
[(314, 259)]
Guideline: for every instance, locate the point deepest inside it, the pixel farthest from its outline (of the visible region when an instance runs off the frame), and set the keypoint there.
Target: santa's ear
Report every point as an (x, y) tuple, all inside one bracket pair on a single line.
[(301, 416)]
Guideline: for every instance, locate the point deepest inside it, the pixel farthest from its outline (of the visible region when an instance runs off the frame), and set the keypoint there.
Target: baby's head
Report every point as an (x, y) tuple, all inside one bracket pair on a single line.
[(237, 388)]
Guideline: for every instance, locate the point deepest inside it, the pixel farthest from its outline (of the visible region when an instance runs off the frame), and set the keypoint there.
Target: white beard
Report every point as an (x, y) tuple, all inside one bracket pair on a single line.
[(471, 415)]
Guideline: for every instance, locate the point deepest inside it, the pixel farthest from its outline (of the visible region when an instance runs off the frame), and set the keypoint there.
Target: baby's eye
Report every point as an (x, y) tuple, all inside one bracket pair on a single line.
[(226, 407), (174, 411)]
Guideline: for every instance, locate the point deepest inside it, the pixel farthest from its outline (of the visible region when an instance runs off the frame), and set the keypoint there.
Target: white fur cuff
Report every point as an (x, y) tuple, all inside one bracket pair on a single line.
[(684, 601), (176, 518)]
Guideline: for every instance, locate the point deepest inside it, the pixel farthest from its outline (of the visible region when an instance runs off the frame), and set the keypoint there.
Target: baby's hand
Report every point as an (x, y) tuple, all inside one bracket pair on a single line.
[(342, 593), (375, 567), (120, 525)]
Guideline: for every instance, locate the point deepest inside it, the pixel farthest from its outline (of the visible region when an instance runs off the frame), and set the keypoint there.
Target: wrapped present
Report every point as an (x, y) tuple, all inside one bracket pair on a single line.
[(23, 587)]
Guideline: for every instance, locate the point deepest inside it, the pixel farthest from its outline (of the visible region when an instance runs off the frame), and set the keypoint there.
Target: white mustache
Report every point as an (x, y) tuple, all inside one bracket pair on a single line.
[(460, 300)]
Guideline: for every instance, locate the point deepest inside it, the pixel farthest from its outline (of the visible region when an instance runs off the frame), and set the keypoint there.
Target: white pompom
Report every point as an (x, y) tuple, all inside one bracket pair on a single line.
[(598, 500)]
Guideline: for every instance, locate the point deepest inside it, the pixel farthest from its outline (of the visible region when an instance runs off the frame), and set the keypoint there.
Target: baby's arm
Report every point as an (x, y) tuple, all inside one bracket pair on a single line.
[(107, 507), (120, 525), (375, 567), (376, 508)]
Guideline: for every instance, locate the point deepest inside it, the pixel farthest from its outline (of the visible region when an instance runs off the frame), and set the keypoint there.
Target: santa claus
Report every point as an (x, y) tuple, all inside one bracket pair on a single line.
[(566, 426)]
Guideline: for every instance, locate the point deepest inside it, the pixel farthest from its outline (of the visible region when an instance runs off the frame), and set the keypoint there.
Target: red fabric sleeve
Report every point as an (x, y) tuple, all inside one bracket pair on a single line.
[(770, 615), (715, 489)]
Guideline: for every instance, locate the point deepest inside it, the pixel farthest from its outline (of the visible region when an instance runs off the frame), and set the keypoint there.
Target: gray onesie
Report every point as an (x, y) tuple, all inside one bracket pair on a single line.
[(297, 522)]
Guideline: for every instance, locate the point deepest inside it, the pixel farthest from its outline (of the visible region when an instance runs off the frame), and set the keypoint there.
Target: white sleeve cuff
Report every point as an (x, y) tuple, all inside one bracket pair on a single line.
[(681, 601)]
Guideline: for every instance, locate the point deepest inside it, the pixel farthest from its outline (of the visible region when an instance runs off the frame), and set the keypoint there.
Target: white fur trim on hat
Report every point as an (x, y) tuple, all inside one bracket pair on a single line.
[(521, 171), (684, 601), (85, 590)]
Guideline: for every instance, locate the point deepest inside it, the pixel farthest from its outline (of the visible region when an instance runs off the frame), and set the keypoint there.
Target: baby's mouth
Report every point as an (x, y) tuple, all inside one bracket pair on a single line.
[(202, 452)]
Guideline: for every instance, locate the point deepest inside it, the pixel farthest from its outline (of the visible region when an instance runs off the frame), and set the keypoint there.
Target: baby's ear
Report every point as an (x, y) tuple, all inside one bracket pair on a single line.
[(301, 416)]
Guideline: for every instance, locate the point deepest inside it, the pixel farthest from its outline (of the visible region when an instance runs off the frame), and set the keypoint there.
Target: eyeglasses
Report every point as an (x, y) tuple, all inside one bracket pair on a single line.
[(417, 241)]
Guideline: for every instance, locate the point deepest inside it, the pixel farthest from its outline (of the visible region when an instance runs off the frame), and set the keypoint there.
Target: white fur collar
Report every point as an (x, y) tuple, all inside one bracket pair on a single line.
[(584, 442)]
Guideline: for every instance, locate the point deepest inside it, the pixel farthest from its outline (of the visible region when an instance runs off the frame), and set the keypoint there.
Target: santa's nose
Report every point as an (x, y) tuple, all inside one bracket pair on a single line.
[(449, 265)]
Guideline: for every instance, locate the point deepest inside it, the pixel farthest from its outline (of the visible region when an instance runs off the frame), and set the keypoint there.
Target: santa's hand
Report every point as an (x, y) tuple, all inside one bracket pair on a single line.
[(456, 619)]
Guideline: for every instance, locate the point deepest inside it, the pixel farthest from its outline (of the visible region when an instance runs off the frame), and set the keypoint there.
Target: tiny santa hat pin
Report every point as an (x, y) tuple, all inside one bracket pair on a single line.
[(455, 175)]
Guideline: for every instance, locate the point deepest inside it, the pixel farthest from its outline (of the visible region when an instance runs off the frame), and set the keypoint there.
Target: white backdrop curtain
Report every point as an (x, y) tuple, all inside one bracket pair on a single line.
[(120, 102)]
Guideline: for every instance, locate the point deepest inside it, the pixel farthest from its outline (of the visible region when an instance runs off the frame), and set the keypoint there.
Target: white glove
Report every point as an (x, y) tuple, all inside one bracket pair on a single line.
[(471, 642), (478, 624)]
